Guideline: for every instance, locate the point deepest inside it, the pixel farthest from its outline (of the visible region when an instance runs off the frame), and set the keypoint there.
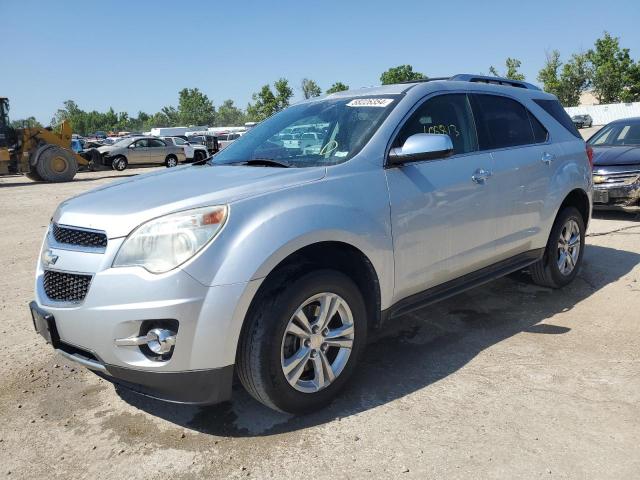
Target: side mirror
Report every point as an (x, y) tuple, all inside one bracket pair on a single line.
[(133, 145), (422, 146)]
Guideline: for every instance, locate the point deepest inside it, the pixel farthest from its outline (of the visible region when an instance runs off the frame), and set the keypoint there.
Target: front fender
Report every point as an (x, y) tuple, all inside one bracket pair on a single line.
[(262, 231)]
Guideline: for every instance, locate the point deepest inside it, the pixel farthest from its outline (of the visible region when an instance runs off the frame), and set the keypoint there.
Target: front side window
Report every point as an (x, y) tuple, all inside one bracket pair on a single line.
[(346, 124), (501, 122), (178, 141), (141, 143), (445, 114)]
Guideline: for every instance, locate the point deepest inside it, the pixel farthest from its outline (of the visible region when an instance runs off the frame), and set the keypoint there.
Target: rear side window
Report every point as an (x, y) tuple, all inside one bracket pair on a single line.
[(553, 108), (540, 133), (501, 122)]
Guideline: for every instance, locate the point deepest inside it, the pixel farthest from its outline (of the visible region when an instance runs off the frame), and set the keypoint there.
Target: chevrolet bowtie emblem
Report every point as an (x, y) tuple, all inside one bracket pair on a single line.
[(49, 258)]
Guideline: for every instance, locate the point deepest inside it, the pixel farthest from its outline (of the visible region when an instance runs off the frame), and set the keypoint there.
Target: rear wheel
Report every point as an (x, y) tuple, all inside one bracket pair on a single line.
[(171, 161), (55, 164), (301, 343), (564, 251), (198, 156)]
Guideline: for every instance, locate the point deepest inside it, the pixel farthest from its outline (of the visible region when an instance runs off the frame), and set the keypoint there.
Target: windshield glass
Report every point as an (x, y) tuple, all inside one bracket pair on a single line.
[(199, 140), (617, 134), (123, 142), (326, 132)]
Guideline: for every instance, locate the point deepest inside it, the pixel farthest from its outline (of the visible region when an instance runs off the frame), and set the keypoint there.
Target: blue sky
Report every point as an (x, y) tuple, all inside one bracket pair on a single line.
[(137, 55)]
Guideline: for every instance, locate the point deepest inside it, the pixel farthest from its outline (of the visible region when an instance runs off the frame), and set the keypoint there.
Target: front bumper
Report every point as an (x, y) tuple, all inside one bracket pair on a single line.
[(624, 197)]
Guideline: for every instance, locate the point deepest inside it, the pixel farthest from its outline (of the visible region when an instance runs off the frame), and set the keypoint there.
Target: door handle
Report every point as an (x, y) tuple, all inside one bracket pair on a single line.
[(481, 175), (547, 158)]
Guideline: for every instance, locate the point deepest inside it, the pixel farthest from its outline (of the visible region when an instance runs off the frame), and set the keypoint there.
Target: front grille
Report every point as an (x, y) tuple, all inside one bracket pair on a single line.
[(66, 287), (82, 238), (617, 179)]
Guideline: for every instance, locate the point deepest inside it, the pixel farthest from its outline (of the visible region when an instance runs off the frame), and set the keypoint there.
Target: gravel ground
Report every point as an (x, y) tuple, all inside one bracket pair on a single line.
[(508, 380)]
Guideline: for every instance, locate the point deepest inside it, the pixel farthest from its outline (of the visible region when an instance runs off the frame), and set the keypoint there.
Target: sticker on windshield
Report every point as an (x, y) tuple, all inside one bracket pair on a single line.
[(370, 102)]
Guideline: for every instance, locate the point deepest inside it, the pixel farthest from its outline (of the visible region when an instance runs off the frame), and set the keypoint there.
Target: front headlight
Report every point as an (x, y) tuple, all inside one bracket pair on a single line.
[(162, 244)]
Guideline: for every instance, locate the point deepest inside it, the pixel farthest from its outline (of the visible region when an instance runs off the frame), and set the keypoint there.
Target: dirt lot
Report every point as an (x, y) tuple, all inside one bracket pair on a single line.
[(506, 381)]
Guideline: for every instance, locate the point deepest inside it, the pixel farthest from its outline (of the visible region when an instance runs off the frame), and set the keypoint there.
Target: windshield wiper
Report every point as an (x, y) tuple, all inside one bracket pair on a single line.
[(265, 162)]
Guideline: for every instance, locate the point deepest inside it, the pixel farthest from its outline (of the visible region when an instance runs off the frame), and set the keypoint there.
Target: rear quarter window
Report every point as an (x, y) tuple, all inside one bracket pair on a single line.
[(553, 108)]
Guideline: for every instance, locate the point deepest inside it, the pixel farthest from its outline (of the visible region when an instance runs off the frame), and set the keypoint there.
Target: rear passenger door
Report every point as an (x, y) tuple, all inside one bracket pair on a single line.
[(522, 156), (442, 212), (158, 150)]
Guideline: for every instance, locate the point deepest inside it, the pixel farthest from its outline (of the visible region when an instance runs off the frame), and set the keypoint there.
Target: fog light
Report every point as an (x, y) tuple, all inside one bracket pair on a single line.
[(160, 340)]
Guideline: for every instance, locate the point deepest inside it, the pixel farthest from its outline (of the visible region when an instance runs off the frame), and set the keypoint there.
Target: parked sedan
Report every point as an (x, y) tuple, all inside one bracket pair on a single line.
[(582, 121), (141, 150), (616, 165)]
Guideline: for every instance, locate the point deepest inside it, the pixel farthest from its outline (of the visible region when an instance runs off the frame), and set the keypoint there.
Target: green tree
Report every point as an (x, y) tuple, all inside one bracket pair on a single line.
[(574, 79), (29, 122), (512, 73), (401, 73), (195, 108), (229, 115), (549, 74), (631, 92), (172, 115), (337, 87), (266, 102), (611, 68), (310, 88)]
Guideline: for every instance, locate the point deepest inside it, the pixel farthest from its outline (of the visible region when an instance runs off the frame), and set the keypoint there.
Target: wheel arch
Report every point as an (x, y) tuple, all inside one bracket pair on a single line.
[(579, 199)]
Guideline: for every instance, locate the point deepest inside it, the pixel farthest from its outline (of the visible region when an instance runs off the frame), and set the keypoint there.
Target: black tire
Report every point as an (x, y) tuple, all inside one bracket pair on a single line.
[(261, 342), (171, 161), (546, 272), (33, 175), (198, 156), (55, 164), (119, 163)]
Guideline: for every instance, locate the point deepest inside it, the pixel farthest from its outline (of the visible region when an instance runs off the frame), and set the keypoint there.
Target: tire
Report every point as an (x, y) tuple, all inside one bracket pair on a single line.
[(55, 164), (171, 161), (119, 163), (198, 156), (267, 347), (33, 175), (547, 271)]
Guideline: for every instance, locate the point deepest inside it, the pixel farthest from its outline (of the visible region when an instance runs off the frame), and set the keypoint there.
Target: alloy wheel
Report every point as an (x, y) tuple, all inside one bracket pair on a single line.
[(569, 247), (317, 342)]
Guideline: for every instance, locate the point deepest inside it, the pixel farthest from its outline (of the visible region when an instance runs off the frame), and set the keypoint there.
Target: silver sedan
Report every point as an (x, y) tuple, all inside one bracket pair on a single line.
[(140, 151)]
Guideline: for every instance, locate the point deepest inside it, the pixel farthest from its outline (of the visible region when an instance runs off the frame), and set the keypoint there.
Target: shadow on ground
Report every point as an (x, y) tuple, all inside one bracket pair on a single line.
[(415, 351)]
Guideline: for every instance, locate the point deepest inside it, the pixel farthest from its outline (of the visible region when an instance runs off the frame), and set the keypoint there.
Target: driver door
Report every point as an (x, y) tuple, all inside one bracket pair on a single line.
[(138, 152), (442, 211)]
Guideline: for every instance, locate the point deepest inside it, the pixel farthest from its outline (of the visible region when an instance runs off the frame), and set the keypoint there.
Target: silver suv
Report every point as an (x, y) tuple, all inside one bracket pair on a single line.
[(274, 261)]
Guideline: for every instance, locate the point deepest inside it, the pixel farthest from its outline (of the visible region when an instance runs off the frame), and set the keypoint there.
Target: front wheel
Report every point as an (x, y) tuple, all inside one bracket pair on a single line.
[(563, 254), (199, 155), (301, 343), (119, 164)]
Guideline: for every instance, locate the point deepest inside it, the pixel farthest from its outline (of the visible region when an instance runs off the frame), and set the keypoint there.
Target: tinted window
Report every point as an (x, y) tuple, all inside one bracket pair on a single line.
[(501, 122), (154, 142), (445, 114), (178, 141), (142, 143), (553, 108), (540, 133)]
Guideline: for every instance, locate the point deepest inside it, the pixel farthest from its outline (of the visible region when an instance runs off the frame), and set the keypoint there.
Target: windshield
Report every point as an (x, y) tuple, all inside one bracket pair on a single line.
[(325, 132), (123, 142), (617, 134), (199, 140)]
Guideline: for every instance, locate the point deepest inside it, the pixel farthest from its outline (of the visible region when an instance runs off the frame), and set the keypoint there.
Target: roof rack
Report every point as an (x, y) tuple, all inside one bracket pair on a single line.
[(467, 77)]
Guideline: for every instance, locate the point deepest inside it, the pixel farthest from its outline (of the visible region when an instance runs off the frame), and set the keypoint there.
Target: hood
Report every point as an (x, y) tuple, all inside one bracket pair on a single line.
[(604, 156), (120, 207), (107, 148)]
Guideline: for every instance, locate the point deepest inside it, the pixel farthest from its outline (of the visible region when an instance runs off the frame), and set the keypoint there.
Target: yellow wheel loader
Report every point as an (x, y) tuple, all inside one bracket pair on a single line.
[(42, 154)]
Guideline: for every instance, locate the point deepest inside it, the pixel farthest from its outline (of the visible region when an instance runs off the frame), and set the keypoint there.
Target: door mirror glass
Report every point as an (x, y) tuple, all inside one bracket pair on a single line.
[(422, 146)]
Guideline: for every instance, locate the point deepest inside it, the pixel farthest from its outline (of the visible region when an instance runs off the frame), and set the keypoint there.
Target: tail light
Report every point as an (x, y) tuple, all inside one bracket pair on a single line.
[(590, 156)]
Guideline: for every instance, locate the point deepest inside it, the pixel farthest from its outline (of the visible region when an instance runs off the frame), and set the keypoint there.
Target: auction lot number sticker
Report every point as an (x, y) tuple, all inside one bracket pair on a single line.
[(370, 102)]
